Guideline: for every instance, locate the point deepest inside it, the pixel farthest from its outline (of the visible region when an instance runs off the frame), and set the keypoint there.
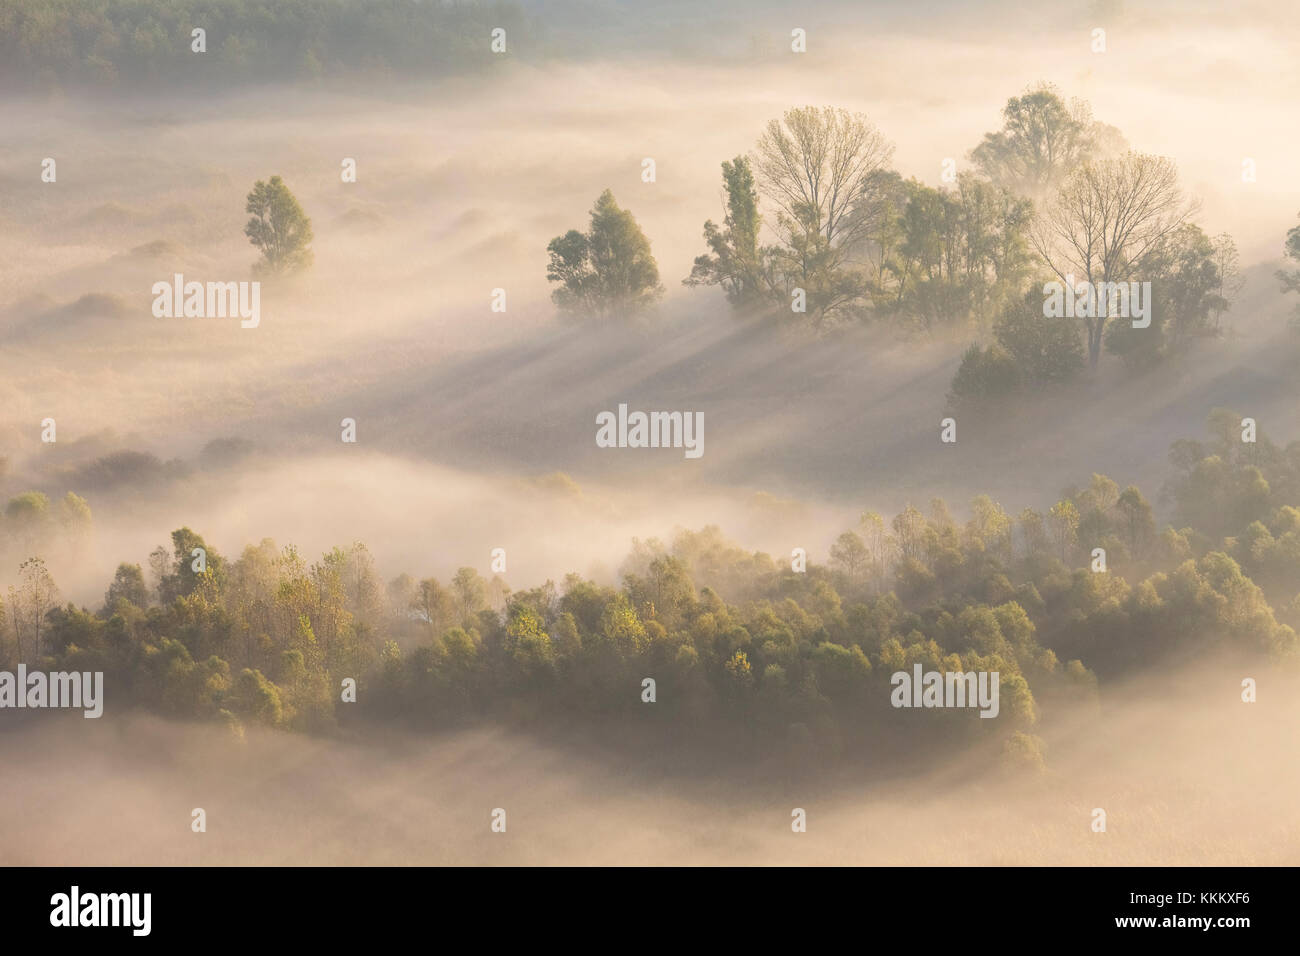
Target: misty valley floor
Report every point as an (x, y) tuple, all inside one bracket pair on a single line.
[(1184, 782)]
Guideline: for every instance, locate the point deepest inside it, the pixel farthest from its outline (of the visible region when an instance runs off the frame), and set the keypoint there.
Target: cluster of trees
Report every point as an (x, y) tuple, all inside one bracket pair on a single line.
[(817, 227), (1244, 495), (147, 43), (32, 524), (737, 642), (853, 240)]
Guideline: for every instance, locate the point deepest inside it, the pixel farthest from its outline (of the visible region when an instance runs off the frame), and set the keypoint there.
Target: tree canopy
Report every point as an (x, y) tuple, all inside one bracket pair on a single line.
[(278, 228), (607, 272), (741, 645)]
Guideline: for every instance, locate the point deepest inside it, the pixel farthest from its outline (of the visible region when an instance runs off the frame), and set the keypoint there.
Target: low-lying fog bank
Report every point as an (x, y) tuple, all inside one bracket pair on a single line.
[(1186, 772)]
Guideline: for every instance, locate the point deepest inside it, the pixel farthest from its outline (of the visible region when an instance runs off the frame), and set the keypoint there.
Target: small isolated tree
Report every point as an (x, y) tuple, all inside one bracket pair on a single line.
[(606, 272), (278, 228)]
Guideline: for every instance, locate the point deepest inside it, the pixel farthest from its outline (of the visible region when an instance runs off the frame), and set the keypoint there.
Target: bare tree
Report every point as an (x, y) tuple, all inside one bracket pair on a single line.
[(816, 164), (34, 598), (1230, 280), (1109, 217), (819, 167)]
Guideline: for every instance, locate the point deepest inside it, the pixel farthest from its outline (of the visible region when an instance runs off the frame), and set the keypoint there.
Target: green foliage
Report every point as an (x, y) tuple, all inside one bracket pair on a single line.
[(146, 44), (1046, 349), (734, 260), (1189, 290), (1032, 351), (1023, 751), (961, 256), (985, 375), (28, 512), (278, 228), (128, 585), (823, 171), (1290, 278), (738, 643), (255, 698), (1041, 140), (607, 272)]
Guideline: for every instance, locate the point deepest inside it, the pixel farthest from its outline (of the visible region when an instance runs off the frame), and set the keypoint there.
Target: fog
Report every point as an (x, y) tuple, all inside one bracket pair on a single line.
[(476, 428), (1187, 775)]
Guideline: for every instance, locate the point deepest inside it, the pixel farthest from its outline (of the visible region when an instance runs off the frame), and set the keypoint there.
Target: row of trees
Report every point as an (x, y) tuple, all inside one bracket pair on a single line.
[(817, 226), (148, 43), (737, 642)]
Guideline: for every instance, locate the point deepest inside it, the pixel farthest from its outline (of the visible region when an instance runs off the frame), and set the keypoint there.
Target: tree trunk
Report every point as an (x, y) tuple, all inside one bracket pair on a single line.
[(1094, 343)]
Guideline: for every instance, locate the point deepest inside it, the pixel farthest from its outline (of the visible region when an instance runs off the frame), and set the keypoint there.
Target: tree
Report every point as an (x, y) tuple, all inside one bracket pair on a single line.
[(1290, 279), (1064, 521), (160, 563), (991, 525), (1136, 521), (1045, 349), (607, 272), (1228, 266), (985, 375), (183, 576), (470, 593), (822, 169), (1107, 223), (909, 525), (29, 603), (75, 517), (879, 543), (734, 261), (816, 166), (849, 554), (28, 514), (433, 606), (1034, 531), (1041, 141), (278, 228), (128, 585), (961, 252), (1189, 291)]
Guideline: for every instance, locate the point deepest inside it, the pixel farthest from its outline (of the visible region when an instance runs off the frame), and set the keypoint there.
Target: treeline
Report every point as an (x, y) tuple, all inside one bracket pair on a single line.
[(737, 642), (109, 44)]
